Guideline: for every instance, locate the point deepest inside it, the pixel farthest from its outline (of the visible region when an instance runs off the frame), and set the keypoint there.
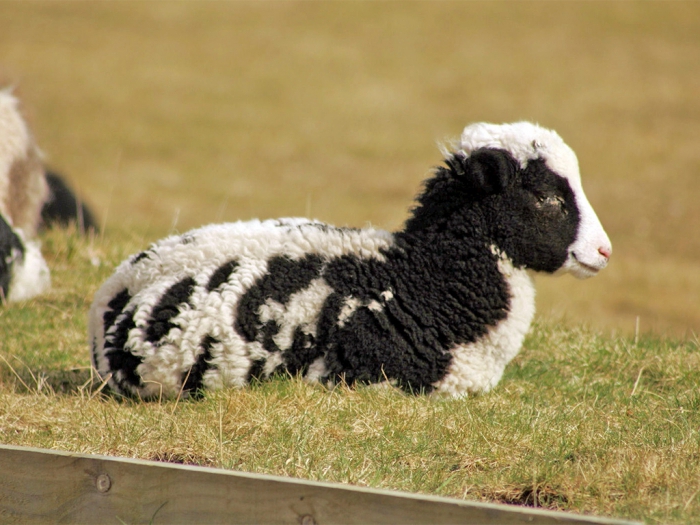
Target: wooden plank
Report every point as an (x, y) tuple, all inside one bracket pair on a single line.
[(43, 486)]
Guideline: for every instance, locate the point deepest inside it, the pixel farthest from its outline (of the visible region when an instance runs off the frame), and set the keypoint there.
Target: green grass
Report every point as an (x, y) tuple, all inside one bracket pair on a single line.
[(581, 421)]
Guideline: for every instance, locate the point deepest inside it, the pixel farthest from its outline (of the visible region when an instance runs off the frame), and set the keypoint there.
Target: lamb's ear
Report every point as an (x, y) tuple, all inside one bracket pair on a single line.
[(490, 170)]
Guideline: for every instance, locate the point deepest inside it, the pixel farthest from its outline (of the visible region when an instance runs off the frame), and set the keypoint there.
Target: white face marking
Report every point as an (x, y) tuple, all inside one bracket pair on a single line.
[(590, 251)]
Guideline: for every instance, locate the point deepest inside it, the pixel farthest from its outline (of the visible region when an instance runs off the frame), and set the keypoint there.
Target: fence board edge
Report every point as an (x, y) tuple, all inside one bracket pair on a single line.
[(39, 485)]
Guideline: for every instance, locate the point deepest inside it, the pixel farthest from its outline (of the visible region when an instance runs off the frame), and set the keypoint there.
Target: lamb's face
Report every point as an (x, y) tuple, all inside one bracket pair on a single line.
[(591, 249), (561, 232), (23, 271)]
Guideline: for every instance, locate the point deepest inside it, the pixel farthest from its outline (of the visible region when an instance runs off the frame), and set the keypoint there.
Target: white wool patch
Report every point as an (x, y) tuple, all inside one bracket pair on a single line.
[(477, 367), (30, 275), (317, 370), (301, 311), (375, 306), (351, 304), (525, 141), (22, 193), (23, 187), (272, 363), (251, 243), (14, 144)]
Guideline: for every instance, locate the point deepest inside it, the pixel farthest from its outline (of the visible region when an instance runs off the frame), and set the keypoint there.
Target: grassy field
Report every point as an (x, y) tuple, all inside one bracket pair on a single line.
[(581, 421), (169, 115)]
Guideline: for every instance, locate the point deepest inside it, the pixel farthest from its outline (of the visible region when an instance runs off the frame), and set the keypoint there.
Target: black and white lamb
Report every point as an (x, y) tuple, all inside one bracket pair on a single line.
[(440, 306)]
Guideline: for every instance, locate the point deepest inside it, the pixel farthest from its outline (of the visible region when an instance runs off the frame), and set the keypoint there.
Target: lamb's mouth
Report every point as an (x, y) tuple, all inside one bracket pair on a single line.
[(585, 266)]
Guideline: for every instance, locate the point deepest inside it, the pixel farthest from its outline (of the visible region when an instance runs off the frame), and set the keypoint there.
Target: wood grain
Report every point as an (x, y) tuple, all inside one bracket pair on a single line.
[(42, 486)]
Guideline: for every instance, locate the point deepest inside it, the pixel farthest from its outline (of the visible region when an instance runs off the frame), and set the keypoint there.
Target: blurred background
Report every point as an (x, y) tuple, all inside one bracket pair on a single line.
[(170, 115)]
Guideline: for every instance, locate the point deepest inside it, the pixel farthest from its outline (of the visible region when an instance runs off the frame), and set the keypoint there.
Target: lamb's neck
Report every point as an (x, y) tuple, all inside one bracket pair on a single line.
[(451, 289), (447, 261), (444, 250)]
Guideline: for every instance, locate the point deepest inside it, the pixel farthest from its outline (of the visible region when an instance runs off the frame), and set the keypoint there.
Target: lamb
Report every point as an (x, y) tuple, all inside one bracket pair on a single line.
[(23, 190), (31, 198), (439, 307)]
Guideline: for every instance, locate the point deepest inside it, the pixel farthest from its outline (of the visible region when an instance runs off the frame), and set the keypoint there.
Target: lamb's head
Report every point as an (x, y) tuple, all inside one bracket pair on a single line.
[(518, 186), (23, 271), (552, 226)]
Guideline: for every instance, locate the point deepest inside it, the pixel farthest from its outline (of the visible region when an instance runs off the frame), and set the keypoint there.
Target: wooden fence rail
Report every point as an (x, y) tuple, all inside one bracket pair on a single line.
[(44, 486)]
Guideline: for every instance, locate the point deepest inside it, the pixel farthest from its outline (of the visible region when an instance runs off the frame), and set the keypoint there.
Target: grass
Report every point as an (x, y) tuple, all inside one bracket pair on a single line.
[(169, 115), (582, 421)]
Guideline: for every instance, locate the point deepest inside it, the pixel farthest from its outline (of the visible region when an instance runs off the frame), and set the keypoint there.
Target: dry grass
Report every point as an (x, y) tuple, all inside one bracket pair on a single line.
[(169, 115)]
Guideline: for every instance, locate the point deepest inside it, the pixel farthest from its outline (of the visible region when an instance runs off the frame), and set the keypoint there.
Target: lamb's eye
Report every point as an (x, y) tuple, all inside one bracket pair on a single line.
[(551, 202)]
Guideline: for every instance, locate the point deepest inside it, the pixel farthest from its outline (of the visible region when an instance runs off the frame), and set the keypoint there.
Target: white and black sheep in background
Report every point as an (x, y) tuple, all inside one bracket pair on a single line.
[(440, 306), (30, 198), (23, 191)]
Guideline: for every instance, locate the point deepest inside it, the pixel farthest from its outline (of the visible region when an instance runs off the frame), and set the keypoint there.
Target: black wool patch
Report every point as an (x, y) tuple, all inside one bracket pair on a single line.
[(168, 307), (379, 344), (445, 290), (221, 275), (362, 279), (139, 256), (116, 307), (9, 243), (256, 370), (118, 355), (302, 353), (284, 277), (193, 378), (266, 335), (456, 186), (187, 239)]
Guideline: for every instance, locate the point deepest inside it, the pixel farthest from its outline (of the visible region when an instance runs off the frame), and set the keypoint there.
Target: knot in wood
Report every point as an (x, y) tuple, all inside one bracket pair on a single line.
[(103, 483)]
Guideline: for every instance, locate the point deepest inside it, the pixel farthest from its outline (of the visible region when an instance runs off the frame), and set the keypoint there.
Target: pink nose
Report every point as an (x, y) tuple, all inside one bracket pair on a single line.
[(605, 252)]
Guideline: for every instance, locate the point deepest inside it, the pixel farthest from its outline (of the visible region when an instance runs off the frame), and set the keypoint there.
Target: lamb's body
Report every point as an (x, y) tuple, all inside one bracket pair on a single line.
[(442, 305)]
